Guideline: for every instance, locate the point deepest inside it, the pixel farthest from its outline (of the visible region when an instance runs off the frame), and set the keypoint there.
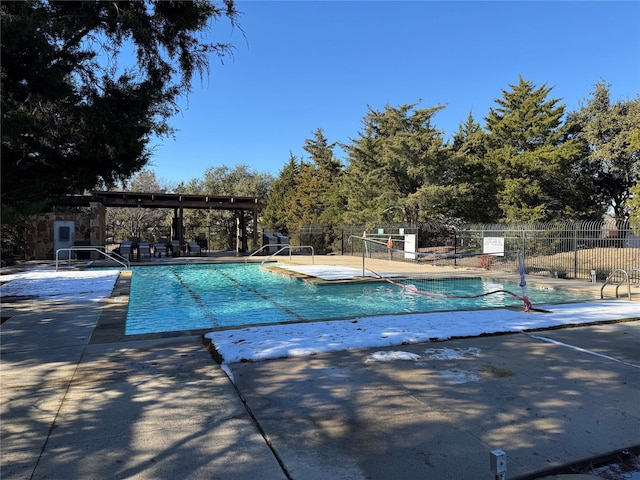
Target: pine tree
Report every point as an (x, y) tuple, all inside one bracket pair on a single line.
[(276, 215), (313, 200), (396, 157), (530, 155), (607, 128), (474, 199)]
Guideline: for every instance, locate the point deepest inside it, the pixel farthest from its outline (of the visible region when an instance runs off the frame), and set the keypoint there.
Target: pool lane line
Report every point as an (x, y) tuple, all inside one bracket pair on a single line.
[(263, 296), (196, 298)]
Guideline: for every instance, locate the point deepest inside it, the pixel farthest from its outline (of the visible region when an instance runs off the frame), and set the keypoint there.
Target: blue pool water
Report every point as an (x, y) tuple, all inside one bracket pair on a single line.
[(189, 297)]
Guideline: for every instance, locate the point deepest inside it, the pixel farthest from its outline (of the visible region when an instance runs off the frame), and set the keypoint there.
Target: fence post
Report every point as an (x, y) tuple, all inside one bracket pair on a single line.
[(455, 247), (575, 251)]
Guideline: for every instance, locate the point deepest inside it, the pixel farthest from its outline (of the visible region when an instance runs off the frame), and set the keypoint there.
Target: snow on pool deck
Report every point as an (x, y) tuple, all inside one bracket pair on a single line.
[(300, 339), (76, 285)]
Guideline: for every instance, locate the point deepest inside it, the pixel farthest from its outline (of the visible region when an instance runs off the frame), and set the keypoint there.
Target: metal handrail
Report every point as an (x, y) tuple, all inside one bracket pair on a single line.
[(262, 248), (289, 247), (626, 278), (101, 250)]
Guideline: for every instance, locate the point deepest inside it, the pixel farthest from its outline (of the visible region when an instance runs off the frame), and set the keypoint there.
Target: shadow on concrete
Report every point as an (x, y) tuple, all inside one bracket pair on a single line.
[(346, 416), (148, 409)]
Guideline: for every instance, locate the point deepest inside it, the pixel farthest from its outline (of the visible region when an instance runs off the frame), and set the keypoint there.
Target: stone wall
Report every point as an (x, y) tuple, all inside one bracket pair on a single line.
[(89, 230)]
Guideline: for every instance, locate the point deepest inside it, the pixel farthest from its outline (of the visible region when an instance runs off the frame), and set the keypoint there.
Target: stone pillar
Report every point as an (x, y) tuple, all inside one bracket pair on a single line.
[(97, 227)]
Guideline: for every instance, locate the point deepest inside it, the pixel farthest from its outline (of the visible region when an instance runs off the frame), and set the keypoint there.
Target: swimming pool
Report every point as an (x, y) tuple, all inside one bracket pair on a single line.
[(191, 297)]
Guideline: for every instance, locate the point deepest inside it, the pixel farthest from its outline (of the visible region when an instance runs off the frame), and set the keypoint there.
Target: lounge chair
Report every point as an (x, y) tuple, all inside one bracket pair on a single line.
[(176, 248), (159, 249), (144, 250), (125, 250), (193, 248)]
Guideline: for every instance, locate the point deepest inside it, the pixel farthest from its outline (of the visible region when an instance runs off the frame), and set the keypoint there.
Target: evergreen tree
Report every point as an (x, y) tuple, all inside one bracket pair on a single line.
[(315, 181), (398, 156), (276, 215), (634, 145), (608, 128), (531, 155), (474, 198), (321, 153), (75, 116), (315, 187)]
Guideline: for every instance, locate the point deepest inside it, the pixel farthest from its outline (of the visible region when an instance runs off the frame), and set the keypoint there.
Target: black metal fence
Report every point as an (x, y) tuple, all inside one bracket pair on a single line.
[(561, 249), (565, 250)]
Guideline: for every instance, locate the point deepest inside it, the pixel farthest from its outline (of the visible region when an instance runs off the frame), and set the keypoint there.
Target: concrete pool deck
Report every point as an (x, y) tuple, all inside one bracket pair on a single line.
[(153, 408)]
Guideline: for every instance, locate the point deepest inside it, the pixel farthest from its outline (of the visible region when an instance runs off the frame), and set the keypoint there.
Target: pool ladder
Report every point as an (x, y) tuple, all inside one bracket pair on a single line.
[(626, 277)]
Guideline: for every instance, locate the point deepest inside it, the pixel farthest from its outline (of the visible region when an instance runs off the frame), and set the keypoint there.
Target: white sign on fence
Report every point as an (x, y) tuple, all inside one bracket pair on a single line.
[(410, 246), (493, 246)]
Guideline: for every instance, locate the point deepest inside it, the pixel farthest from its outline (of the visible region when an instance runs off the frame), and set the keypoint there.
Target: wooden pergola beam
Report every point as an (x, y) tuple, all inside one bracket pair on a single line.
[(176, 201)]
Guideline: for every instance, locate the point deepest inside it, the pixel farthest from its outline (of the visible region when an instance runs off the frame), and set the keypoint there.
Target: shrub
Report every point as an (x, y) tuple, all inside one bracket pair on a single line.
[(558, 272), (486, 261)]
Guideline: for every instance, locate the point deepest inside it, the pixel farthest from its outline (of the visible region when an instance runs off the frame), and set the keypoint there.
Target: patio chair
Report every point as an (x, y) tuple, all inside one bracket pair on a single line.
[(159, 249), (125, 250), (176, 248), (193, 248), (144, 250)]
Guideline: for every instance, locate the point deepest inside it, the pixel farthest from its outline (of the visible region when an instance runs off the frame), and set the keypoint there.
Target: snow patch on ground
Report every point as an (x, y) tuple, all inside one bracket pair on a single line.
[(390, 356), (451, 353), (302, 339), (459, 376), (84, 285)]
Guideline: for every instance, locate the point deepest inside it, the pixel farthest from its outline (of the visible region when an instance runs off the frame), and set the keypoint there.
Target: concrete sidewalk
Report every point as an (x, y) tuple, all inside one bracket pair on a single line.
[(146, 410), (162, 408), (546, 405)]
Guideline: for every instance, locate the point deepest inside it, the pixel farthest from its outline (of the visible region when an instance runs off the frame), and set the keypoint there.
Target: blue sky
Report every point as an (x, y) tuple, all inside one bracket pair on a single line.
[(304, 65)]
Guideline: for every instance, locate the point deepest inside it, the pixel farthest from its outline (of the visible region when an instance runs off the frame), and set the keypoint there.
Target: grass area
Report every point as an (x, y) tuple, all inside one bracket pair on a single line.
[(603, 260), (573, 264)]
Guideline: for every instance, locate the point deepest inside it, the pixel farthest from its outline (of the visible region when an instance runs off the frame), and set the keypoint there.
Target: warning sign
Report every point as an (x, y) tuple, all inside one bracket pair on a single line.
[(493, 246)]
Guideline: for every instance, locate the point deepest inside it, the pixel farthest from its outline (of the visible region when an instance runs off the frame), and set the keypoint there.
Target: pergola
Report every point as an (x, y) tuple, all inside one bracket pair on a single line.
[(178, 202)]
